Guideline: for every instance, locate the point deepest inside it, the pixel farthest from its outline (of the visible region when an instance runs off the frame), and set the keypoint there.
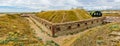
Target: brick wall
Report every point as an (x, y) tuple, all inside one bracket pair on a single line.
[(58, 29), (78, 26)]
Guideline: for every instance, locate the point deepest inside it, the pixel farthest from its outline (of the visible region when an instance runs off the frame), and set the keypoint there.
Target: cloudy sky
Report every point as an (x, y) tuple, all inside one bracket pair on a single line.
[(38, 5)]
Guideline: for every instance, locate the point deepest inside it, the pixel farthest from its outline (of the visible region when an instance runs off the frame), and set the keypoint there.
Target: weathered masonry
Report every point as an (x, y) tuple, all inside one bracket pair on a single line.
[(64, 22), (57, 29)]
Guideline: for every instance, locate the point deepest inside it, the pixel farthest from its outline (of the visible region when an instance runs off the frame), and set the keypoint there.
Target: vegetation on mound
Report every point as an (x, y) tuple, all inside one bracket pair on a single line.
[(83, 14), (92, 36), (115, 27), (15, 31), (64, 15), (14, 23), (51, 43)]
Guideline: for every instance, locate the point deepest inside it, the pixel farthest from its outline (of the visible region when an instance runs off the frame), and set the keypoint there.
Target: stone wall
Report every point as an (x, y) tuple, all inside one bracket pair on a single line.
[(43, 24), (78, 26), (58, 29)]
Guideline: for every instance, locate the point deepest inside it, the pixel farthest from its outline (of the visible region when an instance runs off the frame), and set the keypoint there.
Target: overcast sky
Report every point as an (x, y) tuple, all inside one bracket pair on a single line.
[(38, 5)]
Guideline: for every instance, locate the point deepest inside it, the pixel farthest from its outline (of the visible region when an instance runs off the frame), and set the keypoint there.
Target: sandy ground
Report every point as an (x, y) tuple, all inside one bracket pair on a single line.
[(34, 25), (2, 14)]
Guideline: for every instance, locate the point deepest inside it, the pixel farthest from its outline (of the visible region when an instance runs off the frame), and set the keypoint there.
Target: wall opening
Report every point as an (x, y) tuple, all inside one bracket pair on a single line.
[(50, 27), (97, 20), (58, 29), (92, 22), (69, 27), (85, 23), (78, 25)]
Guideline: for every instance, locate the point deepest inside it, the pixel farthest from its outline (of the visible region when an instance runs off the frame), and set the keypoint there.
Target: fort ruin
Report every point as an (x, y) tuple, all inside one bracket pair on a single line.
[(68, 27)]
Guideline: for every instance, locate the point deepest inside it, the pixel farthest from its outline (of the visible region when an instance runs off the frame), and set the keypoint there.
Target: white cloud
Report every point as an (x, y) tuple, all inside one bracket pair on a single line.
[(60, 4), (117, 0)]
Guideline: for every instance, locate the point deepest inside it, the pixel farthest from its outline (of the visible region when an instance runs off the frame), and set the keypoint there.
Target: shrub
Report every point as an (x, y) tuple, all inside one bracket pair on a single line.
[(51, 43), (115, 27)]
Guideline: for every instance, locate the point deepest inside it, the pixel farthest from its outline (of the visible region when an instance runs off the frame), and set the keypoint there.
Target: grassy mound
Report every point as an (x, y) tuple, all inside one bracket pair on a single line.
[(111, 14), (15, 31), (61, 16), (94, 36), (14, 23)]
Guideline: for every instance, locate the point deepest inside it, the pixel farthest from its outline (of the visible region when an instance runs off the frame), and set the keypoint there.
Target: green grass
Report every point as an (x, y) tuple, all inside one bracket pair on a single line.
[(83, 14), (61, 16), (71, 16)]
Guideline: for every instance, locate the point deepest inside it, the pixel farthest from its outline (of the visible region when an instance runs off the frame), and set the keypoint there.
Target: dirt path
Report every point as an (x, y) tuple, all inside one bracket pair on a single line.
[(38, 31), (2, 14)]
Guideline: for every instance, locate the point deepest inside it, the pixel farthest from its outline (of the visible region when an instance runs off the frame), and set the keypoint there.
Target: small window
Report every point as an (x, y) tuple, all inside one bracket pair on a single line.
[(49, 27), (69, 27), (92, 22), (85, 23), (78, 25), (97, 20), (58, 29)]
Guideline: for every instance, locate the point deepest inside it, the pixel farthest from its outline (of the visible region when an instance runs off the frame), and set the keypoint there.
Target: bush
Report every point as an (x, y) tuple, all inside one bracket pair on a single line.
[(39, 38), (4, 41), (115, 28), (51, 43)]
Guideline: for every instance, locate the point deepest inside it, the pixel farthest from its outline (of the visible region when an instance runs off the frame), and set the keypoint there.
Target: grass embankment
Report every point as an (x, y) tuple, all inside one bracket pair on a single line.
[(91, 36), (61, 16), (15, 31)]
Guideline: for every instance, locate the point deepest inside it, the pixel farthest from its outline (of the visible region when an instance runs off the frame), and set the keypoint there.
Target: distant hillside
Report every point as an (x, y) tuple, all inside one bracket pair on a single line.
[(61, 16), (111, 14)]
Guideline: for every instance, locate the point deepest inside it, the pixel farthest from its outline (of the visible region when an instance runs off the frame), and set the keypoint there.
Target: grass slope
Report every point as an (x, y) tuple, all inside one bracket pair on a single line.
[(61, 16), (90, 36), (15, 31)]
